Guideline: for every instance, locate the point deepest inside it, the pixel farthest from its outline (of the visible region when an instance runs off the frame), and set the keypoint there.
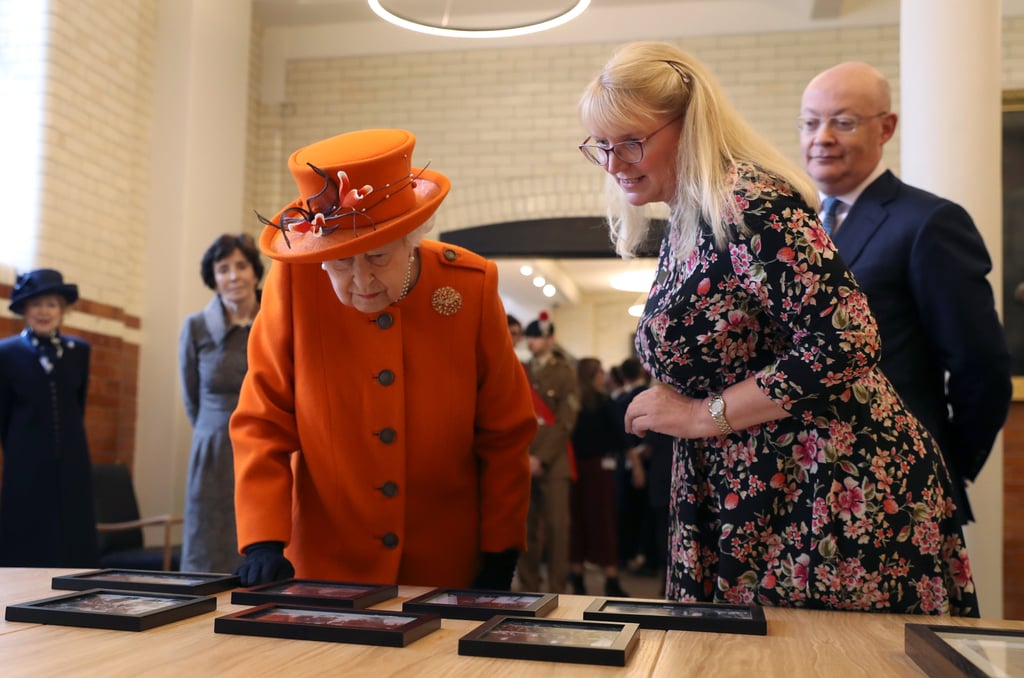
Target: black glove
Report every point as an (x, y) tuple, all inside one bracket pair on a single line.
[(496, 570), (264, 562)]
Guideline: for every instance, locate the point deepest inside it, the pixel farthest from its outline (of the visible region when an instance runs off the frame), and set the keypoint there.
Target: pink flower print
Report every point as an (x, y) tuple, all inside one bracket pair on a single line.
[(961, 570), (932, 594), (802, 571), (808, 452), (849, 501), (926, 537)]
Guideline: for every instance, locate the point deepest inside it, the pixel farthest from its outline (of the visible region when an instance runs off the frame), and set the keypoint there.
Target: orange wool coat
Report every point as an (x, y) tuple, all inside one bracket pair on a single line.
[(388, 447)]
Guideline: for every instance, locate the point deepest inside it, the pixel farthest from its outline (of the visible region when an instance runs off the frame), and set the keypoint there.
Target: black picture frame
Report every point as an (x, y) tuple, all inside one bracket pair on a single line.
[(113, 609), (316, 593), (553, 640), (329, 624), (153, 581), (475, 604), (673, 616), (964, 650)]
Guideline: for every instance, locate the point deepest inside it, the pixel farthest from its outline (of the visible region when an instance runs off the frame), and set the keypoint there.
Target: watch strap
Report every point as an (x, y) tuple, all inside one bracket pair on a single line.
[(716, 408)]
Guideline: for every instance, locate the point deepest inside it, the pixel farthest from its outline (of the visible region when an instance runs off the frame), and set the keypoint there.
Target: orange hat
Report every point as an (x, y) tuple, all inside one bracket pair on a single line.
[(358, 191)]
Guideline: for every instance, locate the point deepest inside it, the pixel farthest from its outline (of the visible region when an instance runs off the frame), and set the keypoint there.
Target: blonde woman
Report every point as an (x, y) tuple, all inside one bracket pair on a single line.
[(799, 478)]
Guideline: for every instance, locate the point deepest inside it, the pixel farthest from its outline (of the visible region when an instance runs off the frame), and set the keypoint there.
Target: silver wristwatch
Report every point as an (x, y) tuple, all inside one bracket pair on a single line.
[(716, 408)]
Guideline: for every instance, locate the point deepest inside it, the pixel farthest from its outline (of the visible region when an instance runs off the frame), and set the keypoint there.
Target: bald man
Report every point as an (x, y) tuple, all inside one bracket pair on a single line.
[(922, 264)]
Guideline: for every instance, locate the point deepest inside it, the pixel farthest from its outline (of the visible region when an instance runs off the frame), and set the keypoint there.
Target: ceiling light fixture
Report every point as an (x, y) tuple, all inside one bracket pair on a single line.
[(637, 308), (636, 280), (443, 28)]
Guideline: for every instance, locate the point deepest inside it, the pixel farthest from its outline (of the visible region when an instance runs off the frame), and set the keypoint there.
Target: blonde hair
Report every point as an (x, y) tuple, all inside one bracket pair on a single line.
[(656, 81)]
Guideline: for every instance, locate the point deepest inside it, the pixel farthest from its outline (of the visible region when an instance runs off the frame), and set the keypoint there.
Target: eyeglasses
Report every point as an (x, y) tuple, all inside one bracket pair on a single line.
[(843, 124), (629, 152)]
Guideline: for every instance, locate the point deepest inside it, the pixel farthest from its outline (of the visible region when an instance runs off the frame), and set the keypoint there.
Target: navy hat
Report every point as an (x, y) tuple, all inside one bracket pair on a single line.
[(541, 327), (37, 283)]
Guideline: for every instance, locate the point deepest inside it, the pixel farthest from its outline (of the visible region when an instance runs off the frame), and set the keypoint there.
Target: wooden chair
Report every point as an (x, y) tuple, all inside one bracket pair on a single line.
[(121, 541)]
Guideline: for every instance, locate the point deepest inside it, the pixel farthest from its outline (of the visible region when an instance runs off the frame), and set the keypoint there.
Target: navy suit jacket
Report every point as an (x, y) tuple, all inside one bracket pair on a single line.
[(922, 263)]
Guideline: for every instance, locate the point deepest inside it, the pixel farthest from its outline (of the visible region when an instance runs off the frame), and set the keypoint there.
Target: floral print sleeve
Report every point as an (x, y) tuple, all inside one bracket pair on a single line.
[(793, 273), (779, 305)]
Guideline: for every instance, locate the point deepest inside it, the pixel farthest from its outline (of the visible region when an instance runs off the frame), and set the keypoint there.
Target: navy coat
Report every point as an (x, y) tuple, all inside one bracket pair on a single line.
[(47, 516), (922, 263)]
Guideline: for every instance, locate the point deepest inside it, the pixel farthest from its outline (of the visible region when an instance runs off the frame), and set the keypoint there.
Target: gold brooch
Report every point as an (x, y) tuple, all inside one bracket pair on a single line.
[(446, 300)]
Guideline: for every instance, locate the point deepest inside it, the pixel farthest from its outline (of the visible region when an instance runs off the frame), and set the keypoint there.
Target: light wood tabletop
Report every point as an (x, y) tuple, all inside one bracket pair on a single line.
[(799, 643)]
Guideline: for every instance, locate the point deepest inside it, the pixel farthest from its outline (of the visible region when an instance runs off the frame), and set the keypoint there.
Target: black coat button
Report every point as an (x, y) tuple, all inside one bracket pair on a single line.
[(388, 435), (390, 540), (384, 321), (450, 254), (386, 377), (389, 489)]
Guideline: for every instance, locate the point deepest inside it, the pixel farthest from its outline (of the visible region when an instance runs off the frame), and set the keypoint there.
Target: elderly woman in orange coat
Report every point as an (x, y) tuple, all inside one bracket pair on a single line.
[(383, 428)]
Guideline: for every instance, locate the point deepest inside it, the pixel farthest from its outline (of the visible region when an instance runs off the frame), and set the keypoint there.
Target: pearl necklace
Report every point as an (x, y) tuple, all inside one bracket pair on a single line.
[(406, 284)]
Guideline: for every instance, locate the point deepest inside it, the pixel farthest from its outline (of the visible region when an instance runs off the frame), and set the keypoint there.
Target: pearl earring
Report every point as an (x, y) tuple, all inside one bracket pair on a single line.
[(323, 265)]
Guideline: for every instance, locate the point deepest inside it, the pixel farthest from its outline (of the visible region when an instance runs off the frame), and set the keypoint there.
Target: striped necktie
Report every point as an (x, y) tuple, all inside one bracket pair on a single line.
[(828, 213)]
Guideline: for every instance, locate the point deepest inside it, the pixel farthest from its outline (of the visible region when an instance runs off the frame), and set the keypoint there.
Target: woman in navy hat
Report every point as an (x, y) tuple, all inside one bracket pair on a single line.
[(46, 502)]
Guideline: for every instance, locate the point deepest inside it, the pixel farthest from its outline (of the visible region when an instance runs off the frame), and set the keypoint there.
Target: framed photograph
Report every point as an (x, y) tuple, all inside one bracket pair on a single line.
[(965, 651), (327, 624), (316, 593), (552, 640), (481, 605), (112, 609), (154, 581), (671, 616)]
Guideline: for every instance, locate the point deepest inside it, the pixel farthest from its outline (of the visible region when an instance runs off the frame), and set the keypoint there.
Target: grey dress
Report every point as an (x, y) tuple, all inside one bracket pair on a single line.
[(213, 361)]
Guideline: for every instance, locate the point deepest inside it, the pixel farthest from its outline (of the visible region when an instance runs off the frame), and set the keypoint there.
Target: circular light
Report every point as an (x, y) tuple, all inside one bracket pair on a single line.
[(636, 310), (637, 280), (539, 281), (549, 290), (526, 269), (511, 31)]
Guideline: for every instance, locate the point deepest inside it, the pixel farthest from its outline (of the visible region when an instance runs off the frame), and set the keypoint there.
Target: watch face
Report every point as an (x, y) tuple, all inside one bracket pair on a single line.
[(716, 406)]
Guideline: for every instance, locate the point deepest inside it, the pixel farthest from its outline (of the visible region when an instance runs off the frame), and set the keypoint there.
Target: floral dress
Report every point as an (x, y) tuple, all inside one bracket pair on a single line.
[(845, 504)]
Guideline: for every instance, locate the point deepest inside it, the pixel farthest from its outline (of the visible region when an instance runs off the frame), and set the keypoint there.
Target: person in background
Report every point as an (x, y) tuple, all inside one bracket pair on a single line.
[(639, 547), (597, 443), (351, 464), (616, 382), (800, 479), (212, 359), (921, 262), (515, 331), (635, 522), (556, 404), (47, 514)]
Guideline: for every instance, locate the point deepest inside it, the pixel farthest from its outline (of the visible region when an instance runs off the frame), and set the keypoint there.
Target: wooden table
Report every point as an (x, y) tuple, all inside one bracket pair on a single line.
[(799, 643)]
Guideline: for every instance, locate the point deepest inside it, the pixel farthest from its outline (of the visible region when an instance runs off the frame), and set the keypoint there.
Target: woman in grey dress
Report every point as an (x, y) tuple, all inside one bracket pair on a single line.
[(212, 356)]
